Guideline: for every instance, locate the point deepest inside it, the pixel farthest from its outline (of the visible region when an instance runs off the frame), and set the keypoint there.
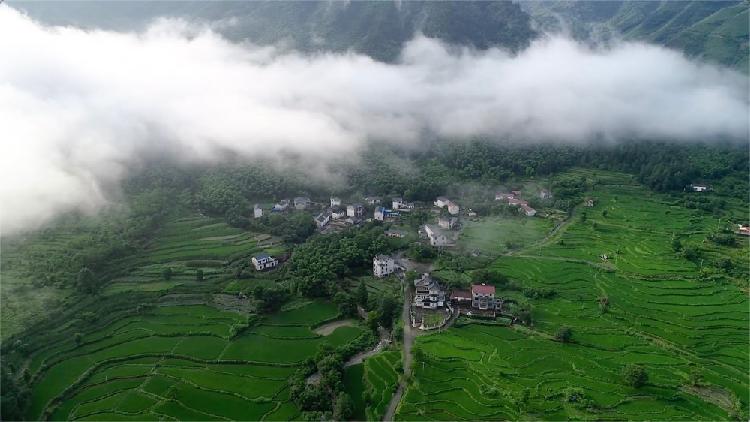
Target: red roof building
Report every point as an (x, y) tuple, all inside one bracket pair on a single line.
[(483, 296), (482, 289)]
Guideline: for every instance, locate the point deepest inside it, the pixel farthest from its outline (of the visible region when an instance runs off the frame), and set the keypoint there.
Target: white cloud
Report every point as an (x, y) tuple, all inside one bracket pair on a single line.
[(78, 108)]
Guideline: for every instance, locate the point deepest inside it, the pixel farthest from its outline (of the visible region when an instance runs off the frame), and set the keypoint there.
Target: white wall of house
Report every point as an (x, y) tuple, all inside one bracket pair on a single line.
[(264, 263), (383, 266)]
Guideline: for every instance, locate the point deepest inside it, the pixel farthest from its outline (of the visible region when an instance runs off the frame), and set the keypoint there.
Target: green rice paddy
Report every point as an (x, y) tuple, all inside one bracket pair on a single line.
[(660, 316), (371, 384), (182, 362)]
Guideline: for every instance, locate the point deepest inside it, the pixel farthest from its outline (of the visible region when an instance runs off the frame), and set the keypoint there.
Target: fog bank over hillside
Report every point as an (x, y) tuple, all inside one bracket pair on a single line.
[(79, 108)]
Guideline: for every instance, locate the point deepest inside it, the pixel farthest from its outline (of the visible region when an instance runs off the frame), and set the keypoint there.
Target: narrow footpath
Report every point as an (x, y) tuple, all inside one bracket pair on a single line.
[(409, 335)]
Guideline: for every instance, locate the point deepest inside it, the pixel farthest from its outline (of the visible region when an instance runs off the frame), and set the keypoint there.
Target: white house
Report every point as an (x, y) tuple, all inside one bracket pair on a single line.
[(257, 211), (502, 196), (545, 194), (447, 223), (335, 202), (355, 210), (372, 200), (516, 202), (382, 265), (301, 202), (441, 201), (264, 261), (427, 293), (436, 236), (395, 233), (322, 219), (589, 202), (398, 203), (453, 208), (530, 212), (381, 213), (699, 188), (281, 205), (338, 213)]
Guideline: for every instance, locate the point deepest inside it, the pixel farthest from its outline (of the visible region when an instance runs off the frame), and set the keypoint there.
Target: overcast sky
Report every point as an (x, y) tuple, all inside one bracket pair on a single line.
[(78, 109)]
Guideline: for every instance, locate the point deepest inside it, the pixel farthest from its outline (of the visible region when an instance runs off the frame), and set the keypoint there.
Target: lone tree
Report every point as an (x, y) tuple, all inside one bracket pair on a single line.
[(362, 295), (635, 375), (199, 275), (387, 311), (343, 408), (603, 304), (166, 273), (695, 378), (564, 334)]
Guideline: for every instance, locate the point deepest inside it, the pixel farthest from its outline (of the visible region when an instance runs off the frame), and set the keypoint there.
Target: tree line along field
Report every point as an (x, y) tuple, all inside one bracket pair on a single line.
[(191, 362), (688, 332)]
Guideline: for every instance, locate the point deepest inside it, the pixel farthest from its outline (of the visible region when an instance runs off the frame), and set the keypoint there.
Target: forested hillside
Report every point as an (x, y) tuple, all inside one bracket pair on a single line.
[(378, 29), (713, 30)]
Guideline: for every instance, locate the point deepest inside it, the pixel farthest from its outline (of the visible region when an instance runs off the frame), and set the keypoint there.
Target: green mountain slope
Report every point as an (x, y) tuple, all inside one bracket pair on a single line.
[(713, 30), (378, 29)]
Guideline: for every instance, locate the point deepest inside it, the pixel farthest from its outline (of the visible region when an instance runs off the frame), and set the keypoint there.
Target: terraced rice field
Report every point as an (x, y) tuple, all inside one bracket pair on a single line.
[(660, 316), (186, 245), (372, 383), (183, 362), (490, 234)]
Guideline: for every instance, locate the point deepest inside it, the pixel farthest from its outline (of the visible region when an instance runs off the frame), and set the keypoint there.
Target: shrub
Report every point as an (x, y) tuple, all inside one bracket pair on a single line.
[(564, 334), (603, 304), (343, 408), (695, 378), (634, 375), (539, 293)]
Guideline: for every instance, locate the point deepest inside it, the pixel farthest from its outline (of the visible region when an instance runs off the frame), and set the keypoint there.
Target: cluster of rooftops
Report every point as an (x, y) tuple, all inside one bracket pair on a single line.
[(439, 235)]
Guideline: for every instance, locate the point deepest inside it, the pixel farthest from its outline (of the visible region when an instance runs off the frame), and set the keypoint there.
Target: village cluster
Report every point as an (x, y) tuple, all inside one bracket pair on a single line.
[(428, 297), (335, 215)]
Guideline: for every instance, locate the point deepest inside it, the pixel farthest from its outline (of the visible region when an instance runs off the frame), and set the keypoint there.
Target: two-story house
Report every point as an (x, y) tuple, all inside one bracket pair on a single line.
[(264, 261), (483, 296), (383, 265)]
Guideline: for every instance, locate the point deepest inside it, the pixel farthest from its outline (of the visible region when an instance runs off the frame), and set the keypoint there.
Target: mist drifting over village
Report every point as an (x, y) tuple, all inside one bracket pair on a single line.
[(79, 108)]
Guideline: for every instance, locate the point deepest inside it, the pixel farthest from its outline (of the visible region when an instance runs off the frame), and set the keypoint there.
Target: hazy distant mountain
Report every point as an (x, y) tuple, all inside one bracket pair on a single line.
[(713, 30), (378, 29)]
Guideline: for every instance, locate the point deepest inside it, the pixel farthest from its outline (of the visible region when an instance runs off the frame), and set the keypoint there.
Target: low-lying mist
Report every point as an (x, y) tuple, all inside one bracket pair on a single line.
[(79, 108)]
